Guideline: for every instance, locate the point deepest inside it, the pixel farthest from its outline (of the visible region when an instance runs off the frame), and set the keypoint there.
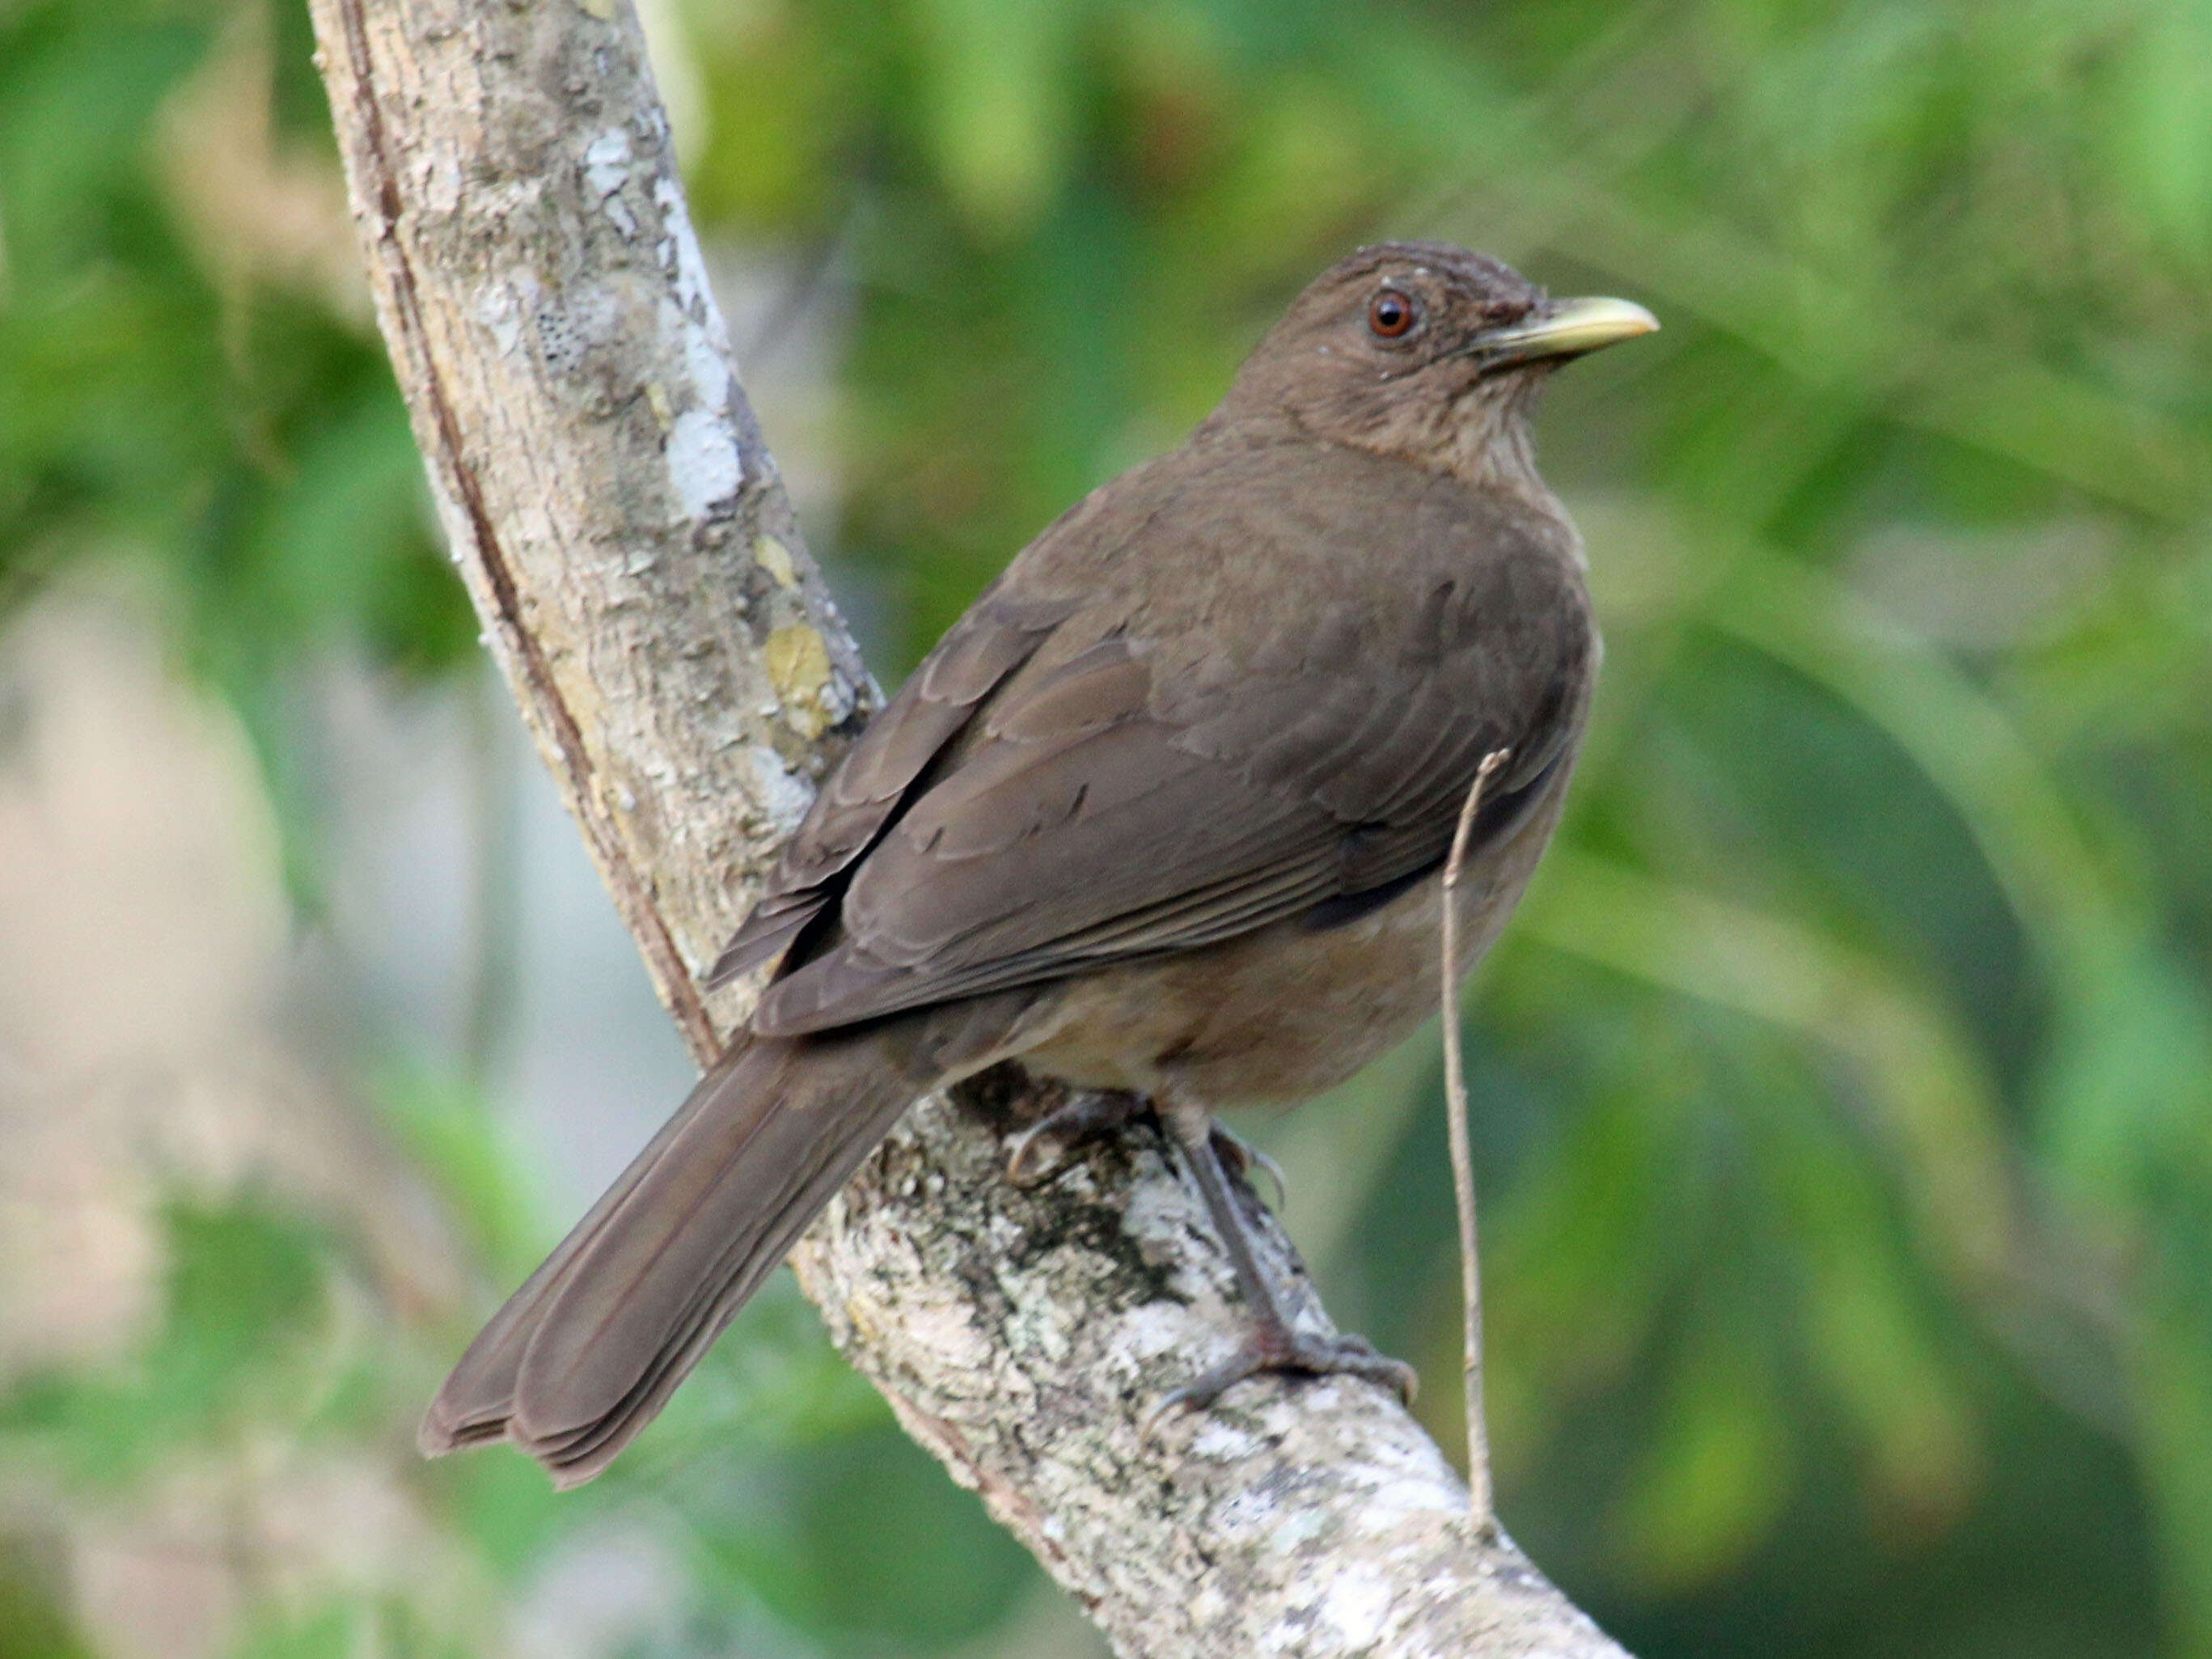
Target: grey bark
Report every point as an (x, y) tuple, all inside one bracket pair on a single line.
[(621, 528)]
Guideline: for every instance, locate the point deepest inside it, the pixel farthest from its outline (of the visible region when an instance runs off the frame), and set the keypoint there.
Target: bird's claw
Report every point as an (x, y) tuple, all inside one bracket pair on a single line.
[(1083, 1115), (1288, 1350), (1090, 1113), (1243, 1157)]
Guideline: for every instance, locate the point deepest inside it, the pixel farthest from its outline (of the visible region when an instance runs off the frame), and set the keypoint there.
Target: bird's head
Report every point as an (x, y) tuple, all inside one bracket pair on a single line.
[(1424, 352)]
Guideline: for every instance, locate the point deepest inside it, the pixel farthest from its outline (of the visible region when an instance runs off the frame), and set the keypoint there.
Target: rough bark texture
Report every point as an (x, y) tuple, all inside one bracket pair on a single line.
[(621, 527)]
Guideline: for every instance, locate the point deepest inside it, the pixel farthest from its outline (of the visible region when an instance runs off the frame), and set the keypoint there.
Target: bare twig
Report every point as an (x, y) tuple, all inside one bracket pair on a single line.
[(1479, 1502)]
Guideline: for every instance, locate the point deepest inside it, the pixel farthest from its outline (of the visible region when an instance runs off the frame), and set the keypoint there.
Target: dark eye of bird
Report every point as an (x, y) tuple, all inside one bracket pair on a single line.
[(1392, 314)]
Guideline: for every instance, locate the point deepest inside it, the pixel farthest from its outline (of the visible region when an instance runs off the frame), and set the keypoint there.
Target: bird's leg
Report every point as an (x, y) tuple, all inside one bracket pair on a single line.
[(1242, 1157), (1088, 1114), (1274, 1344)]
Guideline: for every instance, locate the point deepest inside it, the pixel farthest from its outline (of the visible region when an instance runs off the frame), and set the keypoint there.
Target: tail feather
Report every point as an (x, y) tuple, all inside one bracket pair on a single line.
[(473, 1407), (588, 1350)]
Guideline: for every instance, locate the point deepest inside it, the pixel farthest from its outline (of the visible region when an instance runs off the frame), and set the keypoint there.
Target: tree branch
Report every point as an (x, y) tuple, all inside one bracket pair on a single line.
[(621, 528)]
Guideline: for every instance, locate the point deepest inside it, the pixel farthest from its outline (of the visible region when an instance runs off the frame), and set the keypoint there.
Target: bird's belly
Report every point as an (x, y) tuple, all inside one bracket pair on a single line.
[(1285, 1012)]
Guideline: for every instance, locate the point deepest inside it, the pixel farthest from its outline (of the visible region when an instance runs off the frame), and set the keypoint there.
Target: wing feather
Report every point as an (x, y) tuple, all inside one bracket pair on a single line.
[(863, 795), (1056, 793)]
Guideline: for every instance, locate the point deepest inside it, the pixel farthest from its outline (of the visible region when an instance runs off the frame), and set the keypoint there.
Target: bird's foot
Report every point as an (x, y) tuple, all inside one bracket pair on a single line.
[(1048, 1145), (1278, 1349)]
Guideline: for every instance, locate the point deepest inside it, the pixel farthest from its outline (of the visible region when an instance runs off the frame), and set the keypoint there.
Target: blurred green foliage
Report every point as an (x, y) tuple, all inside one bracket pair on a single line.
[(1845, 1093), (176, 388), (237, 1337)]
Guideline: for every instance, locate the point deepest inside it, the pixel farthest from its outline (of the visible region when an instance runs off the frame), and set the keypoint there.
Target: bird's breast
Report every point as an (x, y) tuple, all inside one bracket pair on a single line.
[(1286, 1011)]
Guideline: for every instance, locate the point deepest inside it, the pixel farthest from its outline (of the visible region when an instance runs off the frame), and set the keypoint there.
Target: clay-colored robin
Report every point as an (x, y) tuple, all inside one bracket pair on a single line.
[(1164, 813)]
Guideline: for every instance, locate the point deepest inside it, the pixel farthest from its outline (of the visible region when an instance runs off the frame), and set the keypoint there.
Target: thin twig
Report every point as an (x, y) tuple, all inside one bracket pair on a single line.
[(1462, 1156)]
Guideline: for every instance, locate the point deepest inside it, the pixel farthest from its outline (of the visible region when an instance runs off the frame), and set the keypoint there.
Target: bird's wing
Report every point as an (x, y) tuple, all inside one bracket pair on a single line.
[(872, 784), (1106, 809)]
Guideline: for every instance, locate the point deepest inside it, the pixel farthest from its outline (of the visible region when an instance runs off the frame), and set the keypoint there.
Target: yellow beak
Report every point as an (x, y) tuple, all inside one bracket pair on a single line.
[(1570, 328)]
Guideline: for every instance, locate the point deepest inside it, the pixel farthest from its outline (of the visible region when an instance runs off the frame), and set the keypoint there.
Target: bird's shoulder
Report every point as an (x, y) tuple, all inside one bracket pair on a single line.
[(1229, 563)]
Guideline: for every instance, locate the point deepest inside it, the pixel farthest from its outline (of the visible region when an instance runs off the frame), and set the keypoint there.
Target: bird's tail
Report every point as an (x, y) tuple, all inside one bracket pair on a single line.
[(586, 1352)]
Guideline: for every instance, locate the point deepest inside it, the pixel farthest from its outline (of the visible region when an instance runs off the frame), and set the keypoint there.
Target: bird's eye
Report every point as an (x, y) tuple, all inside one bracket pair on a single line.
[(1391, 315)]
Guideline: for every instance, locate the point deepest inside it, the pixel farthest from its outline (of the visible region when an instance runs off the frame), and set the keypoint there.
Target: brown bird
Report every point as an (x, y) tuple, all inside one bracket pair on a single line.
[(1164, 814)]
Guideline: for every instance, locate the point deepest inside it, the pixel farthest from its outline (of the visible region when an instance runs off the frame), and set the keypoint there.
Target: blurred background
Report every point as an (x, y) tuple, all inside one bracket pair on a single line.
[(1843, 1096)]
